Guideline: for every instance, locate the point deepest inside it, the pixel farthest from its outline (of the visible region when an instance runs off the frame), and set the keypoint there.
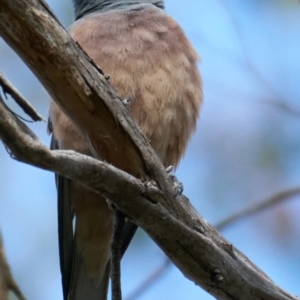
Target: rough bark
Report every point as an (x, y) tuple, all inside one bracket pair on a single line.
[(78, 85)]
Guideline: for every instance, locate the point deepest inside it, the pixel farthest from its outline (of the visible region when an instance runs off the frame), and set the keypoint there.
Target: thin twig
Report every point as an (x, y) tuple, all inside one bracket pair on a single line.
[(116, 246), (149, 281), (258, 207), (283, 106), (5, 273), (8, 88)]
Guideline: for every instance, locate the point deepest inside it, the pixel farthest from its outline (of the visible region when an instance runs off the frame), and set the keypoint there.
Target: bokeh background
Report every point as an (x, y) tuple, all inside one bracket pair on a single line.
[(247, 147)]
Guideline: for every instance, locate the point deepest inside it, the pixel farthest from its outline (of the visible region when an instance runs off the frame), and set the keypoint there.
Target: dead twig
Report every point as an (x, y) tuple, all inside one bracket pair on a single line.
[(150, 280), (116, 246), (7, 282), (259, 207), (8, 88)]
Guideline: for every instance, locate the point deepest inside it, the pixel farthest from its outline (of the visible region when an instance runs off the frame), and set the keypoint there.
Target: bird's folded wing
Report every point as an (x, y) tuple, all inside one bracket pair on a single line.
[(65, 228), (71, 269)]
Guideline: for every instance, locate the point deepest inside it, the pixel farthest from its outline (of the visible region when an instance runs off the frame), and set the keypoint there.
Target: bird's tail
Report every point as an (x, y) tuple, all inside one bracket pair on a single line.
[(83, 286), (91, 245)]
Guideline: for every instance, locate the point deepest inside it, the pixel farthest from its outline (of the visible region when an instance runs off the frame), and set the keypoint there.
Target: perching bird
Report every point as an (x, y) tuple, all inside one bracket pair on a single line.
[(149, 60)]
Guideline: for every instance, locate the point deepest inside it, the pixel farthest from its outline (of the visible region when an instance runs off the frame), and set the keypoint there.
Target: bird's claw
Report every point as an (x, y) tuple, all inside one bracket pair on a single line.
[(177, 185), (151, 185)]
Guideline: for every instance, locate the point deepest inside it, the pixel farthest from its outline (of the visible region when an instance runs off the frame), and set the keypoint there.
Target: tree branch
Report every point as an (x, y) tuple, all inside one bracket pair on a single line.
[(116, 255), (7, 283), (259, 206), (84, 94), (8, 88), (246, 212), (150, 280)]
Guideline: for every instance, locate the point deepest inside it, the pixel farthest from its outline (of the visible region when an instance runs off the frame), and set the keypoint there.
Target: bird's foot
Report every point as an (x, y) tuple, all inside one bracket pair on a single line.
[(152, 186), (178, 186)]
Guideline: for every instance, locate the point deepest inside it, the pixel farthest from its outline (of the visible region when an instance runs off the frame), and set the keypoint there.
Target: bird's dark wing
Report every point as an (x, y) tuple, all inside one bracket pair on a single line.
[(129, 231), (65, 227), (66, 232)]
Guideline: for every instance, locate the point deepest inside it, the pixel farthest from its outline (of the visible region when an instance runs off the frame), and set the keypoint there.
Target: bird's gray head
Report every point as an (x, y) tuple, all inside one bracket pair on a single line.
[(84, 7)]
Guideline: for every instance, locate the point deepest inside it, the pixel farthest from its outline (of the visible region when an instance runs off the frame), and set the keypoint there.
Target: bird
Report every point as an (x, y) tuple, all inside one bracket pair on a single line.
[(150, 60)]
